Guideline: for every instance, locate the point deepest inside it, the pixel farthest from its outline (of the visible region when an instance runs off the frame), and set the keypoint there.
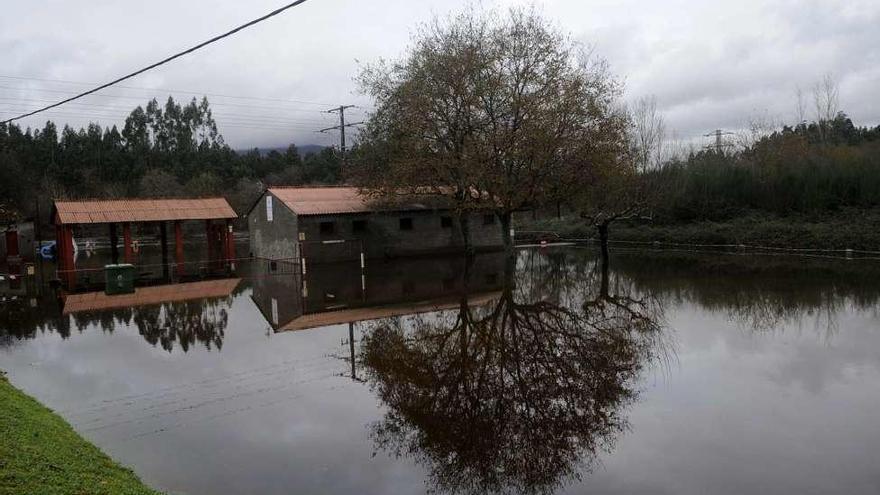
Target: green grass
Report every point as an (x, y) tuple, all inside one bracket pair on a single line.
[(846, 229), (41, 454)]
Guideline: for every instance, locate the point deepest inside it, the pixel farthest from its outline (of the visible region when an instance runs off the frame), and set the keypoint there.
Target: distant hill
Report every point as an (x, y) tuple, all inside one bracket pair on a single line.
[(303, 150)]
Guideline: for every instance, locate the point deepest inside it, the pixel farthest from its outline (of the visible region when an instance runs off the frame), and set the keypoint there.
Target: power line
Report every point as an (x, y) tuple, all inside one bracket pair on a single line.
[(163, 61), (142, 98), (141, 88), (222, 119)]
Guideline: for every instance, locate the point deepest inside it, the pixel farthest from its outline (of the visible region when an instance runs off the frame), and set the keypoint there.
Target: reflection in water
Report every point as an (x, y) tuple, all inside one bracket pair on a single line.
[(166, 315), (184, 323), (518, 394), (760, 294)]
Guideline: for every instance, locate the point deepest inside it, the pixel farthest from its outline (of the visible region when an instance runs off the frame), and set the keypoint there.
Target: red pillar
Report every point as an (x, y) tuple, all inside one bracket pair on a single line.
[(229, 245), (128, 254), (12, 243), (178, 247), (64, 250)]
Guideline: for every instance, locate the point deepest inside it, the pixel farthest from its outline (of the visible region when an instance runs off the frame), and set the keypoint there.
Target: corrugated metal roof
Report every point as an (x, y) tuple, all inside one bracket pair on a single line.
[(142, 210), (145, 296), (336, 200)]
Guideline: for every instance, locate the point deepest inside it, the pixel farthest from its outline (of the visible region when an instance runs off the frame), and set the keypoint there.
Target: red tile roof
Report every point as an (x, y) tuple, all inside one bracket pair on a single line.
[(145, 296), (335, 200), (142, 210)]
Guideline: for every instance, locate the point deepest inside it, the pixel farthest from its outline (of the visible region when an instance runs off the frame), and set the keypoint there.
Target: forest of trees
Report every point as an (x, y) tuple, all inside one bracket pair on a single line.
[(810, 168), (162, 151)]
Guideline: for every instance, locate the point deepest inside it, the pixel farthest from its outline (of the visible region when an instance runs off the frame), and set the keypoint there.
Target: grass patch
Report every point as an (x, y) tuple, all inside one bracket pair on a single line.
[(41, 454)]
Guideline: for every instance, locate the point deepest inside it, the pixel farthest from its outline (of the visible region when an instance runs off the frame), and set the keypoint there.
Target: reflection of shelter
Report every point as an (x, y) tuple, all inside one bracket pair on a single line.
[(67, 214), (333, 294), (146, 296), (333, 223)]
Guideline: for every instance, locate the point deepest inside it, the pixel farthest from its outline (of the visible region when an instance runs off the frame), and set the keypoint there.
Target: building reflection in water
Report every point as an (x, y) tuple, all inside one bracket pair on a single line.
[(515, 394)]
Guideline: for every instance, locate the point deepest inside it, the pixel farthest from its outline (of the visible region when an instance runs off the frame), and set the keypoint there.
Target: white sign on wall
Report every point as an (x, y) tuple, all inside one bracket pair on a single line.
[(268, 208), (274, 311)]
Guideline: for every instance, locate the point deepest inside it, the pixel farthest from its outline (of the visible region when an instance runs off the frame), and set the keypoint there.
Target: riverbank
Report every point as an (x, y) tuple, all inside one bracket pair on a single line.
[(41, 453), (849, 229)]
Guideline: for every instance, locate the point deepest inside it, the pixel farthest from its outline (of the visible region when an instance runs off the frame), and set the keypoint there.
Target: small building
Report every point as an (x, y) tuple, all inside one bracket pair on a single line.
[(338, 223)]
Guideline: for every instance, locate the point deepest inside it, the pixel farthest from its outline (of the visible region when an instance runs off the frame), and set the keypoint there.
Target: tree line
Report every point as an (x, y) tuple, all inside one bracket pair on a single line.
[(166, 150), (809, 168)]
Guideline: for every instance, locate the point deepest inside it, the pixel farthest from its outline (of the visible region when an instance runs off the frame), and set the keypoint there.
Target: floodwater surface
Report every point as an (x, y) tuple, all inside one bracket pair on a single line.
[(671, 373)]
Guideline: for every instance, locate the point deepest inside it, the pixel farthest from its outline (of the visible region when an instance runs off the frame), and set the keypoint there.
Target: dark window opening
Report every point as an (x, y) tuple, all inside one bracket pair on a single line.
[(330, 296), (406, 224), (448, 283), (446, 222), (488, 219), (328, 227), (359, 226), (492, 278)]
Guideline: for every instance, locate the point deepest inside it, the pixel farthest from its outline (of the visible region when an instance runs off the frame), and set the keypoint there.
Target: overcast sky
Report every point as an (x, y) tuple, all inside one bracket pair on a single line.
[(709, 64)]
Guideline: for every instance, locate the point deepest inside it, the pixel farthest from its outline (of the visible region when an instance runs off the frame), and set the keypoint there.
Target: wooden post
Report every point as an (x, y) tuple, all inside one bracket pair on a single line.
[(114, 251), (178, 246), (128, 254), (209, 241), (230, 242)]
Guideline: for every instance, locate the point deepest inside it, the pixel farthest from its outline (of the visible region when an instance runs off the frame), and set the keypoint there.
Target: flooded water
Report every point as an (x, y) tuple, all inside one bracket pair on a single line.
[(674, 373)]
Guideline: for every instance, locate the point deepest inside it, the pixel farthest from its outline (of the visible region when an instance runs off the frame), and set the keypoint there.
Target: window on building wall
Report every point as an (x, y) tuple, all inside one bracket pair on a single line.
[(406, 224), (327, 227), (446, 222), (488, 219), (359, 226)]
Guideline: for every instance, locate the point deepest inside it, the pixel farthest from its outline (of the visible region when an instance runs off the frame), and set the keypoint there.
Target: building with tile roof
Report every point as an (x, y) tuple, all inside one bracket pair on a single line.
[(338, 222)]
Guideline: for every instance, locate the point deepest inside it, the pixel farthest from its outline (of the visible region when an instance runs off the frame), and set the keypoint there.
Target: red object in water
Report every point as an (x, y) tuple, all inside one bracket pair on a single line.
[(127, 251), (12, 243)]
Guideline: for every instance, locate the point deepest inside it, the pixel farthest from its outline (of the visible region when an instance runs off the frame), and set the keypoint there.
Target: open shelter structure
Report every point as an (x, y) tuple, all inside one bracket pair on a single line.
[(123, 213)]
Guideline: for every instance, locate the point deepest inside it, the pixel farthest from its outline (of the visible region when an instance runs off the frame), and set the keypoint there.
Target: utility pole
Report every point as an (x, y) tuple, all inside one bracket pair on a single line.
[(341, 127), (719, 142)]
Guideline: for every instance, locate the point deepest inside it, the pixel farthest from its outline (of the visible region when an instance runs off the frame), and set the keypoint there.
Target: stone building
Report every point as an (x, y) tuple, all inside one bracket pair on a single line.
[(338, 223)]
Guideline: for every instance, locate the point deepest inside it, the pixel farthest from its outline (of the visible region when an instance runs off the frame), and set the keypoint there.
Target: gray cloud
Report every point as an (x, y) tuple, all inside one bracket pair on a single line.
[(710, 65)]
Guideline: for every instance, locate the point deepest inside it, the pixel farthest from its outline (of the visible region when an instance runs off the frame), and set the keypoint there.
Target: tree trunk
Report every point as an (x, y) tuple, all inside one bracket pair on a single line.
[(464, 222), (603, 246), (603, 240), (505, 232)]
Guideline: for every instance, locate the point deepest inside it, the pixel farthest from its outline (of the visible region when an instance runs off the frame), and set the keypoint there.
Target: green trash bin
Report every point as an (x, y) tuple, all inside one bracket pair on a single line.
[(119, 279)]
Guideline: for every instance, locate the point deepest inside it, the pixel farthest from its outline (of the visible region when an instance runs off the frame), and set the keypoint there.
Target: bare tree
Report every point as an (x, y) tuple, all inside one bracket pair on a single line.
[(488, 110), (826, 98), (648, 134), (800, 106)]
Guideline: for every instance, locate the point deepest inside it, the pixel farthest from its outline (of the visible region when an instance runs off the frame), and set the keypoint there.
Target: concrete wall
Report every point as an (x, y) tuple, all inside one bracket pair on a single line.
[(277, 239), (384, 237)]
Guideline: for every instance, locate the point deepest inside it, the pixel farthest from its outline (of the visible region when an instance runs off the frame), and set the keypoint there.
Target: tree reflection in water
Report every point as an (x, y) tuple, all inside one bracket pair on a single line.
[(184, 323), (517, 395)]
